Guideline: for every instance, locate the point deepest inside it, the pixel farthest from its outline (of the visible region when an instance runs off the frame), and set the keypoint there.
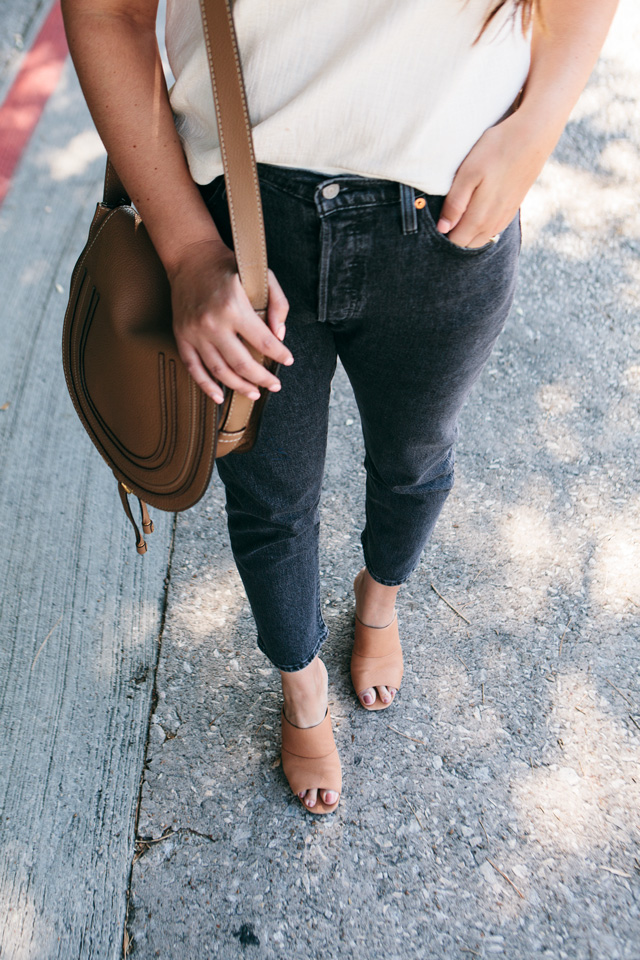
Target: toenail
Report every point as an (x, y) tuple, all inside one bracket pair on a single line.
[(330, 797), (301, 795), (386, 699), (311, 803), (367, 698)]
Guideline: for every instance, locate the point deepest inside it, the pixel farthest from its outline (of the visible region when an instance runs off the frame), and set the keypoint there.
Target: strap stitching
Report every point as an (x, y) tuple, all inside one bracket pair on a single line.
[(246, 119)]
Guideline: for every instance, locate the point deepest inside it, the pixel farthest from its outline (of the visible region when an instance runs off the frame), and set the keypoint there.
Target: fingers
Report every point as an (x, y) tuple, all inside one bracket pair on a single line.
[(462, 217), (456, 203), (480, 222), (243, 320), (237, 369), (278, 308), (197, 371), (476, 229), (221, 338), (218, 354), (472, 206), (232, 364), (252, 329), (489, 186)]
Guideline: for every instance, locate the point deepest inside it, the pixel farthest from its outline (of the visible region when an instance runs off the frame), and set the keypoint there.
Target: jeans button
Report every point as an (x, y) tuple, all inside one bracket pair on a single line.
[(330, 191)]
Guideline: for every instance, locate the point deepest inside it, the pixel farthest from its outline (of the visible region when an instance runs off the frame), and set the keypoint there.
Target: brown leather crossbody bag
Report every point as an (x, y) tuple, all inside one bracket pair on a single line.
[(157, 430)]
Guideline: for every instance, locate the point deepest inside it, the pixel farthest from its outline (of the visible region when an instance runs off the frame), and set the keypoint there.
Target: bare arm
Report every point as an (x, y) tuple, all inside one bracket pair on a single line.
[(494, 178), (114, 49)]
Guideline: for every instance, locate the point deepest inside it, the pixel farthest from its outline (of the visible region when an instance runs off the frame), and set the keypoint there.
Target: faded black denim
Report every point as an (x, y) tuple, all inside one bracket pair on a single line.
[(413, 319)]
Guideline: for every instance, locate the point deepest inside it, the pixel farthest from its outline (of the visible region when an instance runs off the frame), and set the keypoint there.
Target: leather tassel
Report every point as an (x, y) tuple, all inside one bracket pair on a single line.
[(141, 545), (147, 522)]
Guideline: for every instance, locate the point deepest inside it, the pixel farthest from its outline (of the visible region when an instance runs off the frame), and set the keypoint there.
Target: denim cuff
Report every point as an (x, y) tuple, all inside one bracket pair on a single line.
[(293, 668)]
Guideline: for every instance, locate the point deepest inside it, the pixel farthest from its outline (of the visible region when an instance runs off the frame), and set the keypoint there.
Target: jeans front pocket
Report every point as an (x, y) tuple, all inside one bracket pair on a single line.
[(431, 215)]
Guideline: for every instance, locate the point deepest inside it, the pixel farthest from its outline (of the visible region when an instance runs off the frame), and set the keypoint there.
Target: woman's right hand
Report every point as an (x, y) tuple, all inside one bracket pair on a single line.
[(212, 317)]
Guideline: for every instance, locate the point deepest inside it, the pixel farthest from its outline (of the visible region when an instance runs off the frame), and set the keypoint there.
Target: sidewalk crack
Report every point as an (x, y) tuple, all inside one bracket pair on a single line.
[(127, 940)]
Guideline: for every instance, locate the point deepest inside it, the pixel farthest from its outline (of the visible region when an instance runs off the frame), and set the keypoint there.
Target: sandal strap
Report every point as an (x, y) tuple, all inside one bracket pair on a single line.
[(376, 658), (375, 642), (310, 757), (312, 743)]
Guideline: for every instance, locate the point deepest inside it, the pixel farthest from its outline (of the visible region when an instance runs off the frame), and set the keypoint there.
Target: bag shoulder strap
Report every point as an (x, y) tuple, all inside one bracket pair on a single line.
[(236, 147)]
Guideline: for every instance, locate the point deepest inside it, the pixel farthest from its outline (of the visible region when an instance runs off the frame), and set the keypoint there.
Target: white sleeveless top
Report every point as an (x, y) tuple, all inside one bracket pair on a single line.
[(391, 89)]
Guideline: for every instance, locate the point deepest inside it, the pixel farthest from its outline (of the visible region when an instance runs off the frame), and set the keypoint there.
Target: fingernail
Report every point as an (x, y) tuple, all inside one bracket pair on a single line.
[(254, 395), (288, 361), (368, 699), (443, 225), (281, 331), (275, 387)]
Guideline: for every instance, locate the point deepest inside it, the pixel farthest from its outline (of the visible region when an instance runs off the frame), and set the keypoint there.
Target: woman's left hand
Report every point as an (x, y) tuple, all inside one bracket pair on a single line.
[(495, 176), (493, 180)]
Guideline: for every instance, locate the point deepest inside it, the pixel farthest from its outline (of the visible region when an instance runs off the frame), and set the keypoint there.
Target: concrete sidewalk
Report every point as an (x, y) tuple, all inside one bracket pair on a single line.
[(494, 810)]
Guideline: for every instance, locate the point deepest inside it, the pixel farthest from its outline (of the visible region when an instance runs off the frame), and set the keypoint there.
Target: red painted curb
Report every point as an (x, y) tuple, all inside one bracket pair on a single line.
[(35, 82)]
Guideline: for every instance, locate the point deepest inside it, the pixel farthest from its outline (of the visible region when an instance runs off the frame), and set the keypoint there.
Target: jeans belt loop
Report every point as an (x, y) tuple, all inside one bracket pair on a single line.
[(407, 205)]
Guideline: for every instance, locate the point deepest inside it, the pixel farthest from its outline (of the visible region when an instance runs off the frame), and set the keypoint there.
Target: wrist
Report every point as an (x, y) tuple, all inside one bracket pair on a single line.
[(536, 128), (205, 249), (176, 221)]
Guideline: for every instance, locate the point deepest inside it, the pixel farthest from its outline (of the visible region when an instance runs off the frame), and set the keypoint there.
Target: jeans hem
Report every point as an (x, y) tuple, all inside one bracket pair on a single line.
[(383, 580), (288, 668)]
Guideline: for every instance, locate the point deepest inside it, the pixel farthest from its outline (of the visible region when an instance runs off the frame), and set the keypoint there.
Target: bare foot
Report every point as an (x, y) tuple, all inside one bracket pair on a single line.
[(305, 695), (375, 607)]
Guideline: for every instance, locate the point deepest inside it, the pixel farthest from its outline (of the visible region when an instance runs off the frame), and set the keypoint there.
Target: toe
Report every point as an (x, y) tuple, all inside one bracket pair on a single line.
[(310, 799), (368, 696), (385, 694), (329, 797)]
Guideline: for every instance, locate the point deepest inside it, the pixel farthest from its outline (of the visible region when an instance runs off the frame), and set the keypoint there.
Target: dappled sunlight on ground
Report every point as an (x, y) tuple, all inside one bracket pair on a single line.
[(555, 207), (591, 550), (209, 604), (544, 554), (621, 161), (556, 400), (632, 378), (616, 575), (581, 804), (530, 537)]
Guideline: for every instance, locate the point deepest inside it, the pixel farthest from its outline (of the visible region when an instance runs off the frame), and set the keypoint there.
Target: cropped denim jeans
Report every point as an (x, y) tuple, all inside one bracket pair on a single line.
[(413, 319)]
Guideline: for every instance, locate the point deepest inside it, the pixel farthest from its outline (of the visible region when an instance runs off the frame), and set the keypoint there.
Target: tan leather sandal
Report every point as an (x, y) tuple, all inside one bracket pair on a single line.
[(310, 760), (376, 660)]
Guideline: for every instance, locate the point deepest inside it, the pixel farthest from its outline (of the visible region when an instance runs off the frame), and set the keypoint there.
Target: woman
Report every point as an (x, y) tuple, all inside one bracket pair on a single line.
[(392, 165)]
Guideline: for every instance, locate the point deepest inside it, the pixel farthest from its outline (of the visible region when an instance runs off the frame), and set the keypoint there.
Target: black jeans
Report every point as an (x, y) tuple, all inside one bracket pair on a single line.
[(413, 319)]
